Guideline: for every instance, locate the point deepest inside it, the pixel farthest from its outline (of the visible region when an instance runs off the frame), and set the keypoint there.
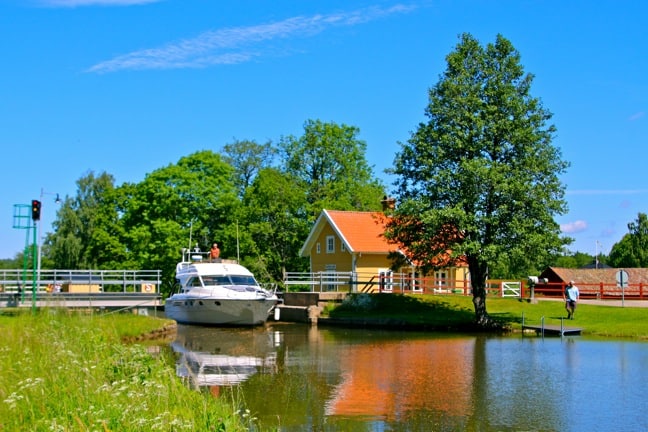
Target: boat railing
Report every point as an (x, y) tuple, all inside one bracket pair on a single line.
[(195, 255)]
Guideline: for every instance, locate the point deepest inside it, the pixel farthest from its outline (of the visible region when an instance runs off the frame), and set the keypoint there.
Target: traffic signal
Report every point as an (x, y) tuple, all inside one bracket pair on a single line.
[(36, 207)]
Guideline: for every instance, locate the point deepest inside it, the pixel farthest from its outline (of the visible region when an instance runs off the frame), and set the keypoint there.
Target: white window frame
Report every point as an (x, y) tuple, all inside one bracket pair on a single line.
[(330, 244), (318, 248), (442, 278), (386, 280)]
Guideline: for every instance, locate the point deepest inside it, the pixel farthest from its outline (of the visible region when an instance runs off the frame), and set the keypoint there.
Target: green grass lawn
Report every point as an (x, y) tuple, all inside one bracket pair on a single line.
[(66, 371), (457, 312)]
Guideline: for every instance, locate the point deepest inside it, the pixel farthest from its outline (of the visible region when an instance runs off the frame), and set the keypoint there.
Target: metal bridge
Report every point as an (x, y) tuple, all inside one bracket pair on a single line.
[(81, 288)]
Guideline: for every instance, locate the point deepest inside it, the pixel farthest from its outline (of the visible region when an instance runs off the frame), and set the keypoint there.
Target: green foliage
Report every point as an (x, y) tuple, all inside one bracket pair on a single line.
[(577, 260), (191, 200), (275, 219), (248, 158), (258, 214), (328, 162), (632, 250), (404, 310), (480, 178), (14, 263), (87, 231)]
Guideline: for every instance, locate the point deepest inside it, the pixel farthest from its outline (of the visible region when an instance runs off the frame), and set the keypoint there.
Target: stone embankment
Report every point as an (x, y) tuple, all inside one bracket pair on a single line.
[(306, 307)]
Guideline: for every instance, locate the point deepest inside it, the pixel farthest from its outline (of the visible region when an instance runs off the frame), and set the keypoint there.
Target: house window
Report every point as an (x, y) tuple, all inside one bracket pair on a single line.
[(441, 278), (342, 247), (386, 280), (319, 248), (330, 244)]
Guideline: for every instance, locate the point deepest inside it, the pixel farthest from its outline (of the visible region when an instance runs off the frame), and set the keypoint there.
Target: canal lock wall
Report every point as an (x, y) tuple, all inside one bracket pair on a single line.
[(306, 307)]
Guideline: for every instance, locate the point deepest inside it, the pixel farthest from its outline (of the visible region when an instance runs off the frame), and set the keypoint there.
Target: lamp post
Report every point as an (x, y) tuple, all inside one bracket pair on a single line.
[(57, 200)]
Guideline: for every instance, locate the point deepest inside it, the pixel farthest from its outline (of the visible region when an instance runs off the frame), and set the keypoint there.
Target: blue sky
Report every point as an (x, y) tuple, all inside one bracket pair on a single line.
[(130, 86)]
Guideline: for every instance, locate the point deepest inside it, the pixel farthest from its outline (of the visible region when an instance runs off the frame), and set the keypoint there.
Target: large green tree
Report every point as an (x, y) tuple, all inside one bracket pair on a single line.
[(187, 204), (329, 163), (275, 218), (480, 178), (248, 158), (632, 250), (86, 230)]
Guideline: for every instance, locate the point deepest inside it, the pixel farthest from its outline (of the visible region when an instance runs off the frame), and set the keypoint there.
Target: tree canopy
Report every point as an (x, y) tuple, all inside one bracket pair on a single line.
[(257, 213), (632, 250), (248, 158), (87, 230), (481, 178), (328, 162)]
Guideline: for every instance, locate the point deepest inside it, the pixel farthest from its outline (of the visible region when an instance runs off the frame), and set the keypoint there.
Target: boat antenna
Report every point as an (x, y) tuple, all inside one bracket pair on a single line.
[(238, 258), (190, 233)]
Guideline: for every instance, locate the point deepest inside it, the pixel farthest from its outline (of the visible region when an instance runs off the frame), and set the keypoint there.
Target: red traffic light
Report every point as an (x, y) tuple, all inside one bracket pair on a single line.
[(36, 210)]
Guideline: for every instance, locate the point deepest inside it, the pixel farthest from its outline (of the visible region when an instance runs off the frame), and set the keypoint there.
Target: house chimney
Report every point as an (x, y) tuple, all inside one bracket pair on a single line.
[(388, 203)]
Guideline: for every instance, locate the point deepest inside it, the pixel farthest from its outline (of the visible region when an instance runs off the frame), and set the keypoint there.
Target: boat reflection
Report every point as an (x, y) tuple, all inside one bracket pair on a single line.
[(215, 357)]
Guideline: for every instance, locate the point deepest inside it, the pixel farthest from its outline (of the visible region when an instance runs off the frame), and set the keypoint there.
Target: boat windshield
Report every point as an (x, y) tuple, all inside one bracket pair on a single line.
[(216, 280), (243, 280), (229, 280)]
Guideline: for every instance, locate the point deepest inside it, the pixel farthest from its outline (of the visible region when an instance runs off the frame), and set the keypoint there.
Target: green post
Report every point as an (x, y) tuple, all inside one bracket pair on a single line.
[(22, 220), (23, 286), (34, 264)]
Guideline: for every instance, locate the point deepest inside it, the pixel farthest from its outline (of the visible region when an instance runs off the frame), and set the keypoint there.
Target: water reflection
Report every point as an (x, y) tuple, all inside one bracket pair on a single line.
[(301, 378), (391, 379), (215, 357)]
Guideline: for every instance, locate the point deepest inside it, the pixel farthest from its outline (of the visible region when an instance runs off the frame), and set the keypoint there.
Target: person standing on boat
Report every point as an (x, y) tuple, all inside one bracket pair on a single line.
[(214, 253), (571, 296)]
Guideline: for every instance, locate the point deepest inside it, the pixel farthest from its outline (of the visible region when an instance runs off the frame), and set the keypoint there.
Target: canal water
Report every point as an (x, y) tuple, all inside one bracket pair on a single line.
[(294, 377)]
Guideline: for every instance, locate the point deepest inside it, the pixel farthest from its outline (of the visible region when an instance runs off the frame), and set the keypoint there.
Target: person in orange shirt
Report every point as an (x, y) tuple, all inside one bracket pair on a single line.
[(214, 252)]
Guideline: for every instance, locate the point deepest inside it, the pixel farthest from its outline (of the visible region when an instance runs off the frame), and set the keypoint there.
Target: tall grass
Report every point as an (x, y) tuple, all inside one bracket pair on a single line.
[(72, 372)]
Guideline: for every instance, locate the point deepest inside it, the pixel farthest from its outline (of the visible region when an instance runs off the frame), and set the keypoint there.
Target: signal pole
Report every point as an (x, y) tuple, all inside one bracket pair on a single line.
[(40, 237), (36, 212)]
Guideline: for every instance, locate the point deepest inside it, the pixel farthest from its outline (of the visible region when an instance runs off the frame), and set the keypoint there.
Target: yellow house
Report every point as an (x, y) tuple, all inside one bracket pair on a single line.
[(352, 242)]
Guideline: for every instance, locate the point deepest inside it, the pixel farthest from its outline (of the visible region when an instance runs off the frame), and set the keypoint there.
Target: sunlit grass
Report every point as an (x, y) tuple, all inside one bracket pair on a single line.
[(71, 372), (457, 312)]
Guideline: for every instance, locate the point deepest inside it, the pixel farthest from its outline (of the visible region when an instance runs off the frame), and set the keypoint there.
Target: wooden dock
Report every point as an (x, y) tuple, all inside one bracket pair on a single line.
[(552, 329)]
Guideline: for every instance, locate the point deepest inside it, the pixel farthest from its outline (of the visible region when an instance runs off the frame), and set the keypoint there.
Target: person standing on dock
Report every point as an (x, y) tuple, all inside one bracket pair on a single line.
[(571, 296)]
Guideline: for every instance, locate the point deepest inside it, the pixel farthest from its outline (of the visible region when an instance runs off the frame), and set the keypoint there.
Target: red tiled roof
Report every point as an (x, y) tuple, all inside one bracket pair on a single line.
[(361, 231)]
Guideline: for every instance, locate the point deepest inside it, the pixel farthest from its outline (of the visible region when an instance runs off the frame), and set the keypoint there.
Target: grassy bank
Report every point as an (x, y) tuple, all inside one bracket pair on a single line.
[(457, 313), (71, 372)]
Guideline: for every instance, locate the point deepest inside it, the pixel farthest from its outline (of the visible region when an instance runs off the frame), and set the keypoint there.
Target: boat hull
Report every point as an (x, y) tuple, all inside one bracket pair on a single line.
[(216, 311)]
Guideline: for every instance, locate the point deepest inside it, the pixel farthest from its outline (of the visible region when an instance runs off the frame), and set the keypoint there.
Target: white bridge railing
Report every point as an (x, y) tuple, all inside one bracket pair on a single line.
[(146, 281), (394, 282)]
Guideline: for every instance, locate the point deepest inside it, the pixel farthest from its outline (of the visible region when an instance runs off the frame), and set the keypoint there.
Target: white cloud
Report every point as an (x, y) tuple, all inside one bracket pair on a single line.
[(238, 44), (574, 227)]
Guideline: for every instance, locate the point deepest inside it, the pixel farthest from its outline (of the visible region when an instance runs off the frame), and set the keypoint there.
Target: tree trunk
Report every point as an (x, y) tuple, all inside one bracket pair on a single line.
[(479, 301), (478, 276)]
